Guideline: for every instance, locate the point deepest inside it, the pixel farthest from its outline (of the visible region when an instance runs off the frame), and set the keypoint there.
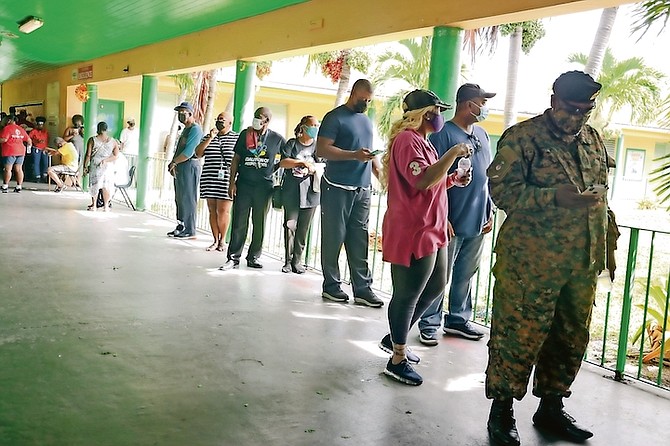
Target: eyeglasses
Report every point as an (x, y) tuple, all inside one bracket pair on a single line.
[(476, 143)]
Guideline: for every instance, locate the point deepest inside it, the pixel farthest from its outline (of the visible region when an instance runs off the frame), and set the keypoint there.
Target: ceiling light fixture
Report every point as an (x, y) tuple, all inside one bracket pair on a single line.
[(30, 24)]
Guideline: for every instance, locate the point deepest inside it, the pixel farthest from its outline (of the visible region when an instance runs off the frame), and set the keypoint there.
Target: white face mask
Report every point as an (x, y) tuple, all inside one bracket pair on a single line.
[(257, 123), (483, 112)]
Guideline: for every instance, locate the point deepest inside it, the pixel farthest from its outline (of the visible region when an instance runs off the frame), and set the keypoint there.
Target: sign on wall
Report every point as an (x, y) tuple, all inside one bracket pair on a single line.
[(84, 73)]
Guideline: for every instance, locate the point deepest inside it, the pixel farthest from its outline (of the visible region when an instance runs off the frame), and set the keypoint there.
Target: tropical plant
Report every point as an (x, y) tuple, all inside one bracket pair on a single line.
[(600, 41), (337, 65), (661, 176), (263, 69), (523, 37), (657, 309), (626, 83), (410, 65), (650, 12), (186, 84)]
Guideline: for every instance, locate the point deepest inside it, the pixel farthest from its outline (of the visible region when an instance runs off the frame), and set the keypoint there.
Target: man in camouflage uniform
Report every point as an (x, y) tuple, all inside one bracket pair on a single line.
[(550, 251)]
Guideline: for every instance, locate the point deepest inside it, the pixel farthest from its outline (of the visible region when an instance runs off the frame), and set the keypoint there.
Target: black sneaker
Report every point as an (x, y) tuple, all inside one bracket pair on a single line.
[(17, 189), (5, 190), (335, 296), (403, 372), (230, 264), (429, 339), (176, 230), (368, 298), (466, 330), (386, 345)]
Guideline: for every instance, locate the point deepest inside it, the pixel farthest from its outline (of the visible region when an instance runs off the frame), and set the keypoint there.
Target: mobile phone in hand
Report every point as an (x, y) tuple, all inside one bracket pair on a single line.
[(596, 190), (376, 152)]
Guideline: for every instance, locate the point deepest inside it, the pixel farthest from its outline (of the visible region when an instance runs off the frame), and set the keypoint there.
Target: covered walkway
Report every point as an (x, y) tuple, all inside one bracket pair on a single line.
[(113, 334)]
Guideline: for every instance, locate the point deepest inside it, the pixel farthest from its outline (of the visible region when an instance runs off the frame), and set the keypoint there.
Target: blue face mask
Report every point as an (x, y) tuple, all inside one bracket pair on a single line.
[(311, 131), (483, 112)]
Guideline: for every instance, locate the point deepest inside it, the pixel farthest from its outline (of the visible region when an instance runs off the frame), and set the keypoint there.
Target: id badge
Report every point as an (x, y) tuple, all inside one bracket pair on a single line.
[(222, 174)]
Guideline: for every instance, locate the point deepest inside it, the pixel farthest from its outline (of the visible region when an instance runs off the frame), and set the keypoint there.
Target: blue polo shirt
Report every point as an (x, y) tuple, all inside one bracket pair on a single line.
[(470, 206), (349, 131)]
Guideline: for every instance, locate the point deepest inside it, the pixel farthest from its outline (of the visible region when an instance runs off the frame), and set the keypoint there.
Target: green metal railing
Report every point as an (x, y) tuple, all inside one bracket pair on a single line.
[(643, 256)]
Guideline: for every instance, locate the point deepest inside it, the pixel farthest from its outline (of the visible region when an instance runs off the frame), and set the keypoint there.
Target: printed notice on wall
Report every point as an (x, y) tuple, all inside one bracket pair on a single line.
[(84, 73)]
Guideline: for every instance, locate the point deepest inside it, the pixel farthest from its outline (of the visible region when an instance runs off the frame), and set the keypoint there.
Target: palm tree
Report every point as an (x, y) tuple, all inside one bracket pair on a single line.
[(626, 83), (186, 84), (337, 66), (523, 37), (600, 41), (409, 64)]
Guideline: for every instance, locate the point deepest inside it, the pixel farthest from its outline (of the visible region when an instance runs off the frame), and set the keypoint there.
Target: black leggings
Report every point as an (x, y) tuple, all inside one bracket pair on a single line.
[(415, 288)]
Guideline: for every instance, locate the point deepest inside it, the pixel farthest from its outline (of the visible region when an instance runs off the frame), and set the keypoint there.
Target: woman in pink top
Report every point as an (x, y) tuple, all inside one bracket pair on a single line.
[(415, 223)]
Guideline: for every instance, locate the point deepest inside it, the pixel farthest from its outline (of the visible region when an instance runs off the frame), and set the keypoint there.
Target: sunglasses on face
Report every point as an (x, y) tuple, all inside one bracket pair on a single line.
[(578, 109)]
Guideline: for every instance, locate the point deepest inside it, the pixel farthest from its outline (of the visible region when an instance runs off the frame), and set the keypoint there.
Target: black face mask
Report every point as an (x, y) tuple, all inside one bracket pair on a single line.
[(220, 125), (361, 106), (181, 117)]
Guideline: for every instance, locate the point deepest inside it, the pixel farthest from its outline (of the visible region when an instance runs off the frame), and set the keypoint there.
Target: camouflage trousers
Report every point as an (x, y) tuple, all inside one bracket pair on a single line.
[(541, 318)]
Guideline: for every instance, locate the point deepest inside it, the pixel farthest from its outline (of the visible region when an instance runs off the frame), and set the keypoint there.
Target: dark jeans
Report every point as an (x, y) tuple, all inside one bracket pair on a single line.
[(464, 255), (344, 220), (186, 193), (415, 288), (296, 224), (40, 162), (254, 200)]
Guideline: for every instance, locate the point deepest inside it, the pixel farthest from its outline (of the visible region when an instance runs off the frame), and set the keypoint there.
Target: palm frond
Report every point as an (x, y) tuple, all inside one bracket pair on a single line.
[(648, 13)]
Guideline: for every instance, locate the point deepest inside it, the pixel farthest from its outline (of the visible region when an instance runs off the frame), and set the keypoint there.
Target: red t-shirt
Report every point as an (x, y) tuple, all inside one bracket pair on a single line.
[(15, 136), (39, 137), (415, 222)]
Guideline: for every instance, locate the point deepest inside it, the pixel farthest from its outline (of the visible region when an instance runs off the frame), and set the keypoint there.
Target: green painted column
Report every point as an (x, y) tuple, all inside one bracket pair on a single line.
[(445, 64), (90, 123), (618, 170), (243, 100), (147, 110)]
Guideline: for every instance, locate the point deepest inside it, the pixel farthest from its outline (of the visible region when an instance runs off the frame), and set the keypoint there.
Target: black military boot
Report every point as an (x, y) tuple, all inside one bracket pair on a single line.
[(501, 425), (551, 418)]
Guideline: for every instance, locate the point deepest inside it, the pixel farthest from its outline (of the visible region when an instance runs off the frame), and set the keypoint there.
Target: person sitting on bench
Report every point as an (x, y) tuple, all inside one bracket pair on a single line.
[(69, 164)]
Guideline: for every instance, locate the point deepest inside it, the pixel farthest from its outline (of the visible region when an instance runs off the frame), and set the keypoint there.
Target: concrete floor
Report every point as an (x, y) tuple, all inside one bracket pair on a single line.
[(113, 334)]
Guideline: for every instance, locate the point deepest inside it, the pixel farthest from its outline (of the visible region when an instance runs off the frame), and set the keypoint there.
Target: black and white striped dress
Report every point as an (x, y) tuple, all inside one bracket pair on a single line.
[(218, 156)]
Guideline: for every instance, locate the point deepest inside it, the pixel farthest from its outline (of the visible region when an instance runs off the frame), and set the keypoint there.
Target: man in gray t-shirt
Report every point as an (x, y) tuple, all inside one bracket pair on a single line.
[(345, 140)]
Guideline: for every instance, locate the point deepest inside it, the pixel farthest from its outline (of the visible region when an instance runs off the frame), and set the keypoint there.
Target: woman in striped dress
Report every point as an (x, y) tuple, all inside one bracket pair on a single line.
[(218, 149)]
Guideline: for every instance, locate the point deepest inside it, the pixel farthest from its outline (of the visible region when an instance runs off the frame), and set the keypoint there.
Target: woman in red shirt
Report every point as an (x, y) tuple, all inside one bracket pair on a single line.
[(415, 224), (13, 140)]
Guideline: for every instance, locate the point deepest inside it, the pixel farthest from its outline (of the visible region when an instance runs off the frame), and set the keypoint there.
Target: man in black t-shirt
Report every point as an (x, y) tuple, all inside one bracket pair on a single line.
[(256, 152)]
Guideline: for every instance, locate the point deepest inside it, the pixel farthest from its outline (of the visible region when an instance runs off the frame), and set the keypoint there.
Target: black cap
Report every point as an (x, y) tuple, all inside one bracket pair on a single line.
[(418, 99), (467, 92), (41, 119), (576, 86), (184, 106)]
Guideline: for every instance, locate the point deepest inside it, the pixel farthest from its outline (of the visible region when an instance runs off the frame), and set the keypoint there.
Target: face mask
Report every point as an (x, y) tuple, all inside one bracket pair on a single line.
[(220, 125), (181, 117), (436, 122), (483, 112), (361, 106), (311, 131), (257, 124), (569, 124)]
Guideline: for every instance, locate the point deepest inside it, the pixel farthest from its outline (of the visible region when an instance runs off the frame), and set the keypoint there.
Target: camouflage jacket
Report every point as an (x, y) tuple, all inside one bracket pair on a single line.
[(533, 158)]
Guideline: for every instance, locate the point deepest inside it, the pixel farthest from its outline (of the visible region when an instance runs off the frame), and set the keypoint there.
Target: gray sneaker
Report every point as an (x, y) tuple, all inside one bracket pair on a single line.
[(368, 298), (429, 339), (335, 296), (466, 330)]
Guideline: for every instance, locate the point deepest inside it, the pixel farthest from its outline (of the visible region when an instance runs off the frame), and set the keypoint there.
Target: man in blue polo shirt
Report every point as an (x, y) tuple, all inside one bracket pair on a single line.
[(345, 141), (470, 217)]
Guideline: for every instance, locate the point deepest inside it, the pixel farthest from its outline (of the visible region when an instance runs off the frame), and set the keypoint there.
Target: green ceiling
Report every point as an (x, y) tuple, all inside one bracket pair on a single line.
[(80, 30)]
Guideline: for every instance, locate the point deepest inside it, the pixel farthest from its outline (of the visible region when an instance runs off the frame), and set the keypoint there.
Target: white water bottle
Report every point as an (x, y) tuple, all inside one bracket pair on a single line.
[(463, 166)]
